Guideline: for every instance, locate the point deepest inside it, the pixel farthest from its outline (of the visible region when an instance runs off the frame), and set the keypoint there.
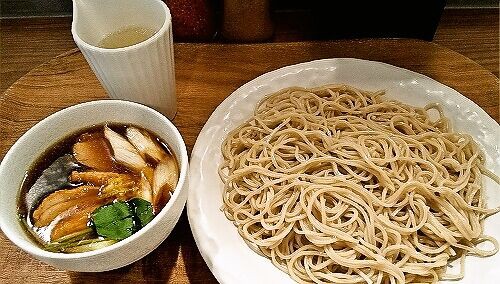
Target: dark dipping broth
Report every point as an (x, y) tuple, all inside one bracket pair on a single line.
[(96, 187)]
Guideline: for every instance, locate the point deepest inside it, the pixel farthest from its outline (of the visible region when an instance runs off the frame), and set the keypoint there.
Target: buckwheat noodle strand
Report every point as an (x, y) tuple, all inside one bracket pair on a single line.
[(339, 185)]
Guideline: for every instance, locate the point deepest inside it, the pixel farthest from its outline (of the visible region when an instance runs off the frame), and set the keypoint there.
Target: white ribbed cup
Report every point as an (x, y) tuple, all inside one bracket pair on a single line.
[(143, 72)]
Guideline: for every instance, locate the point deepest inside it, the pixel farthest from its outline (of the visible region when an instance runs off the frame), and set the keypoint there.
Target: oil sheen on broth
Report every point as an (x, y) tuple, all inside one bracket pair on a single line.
[(126, 36), (96, 187)]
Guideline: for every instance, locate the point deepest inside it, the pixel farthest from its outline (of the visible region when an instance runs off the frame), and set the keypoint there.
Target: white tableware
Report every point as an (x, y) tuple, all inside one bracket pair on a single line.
[(59, 125), (143, 72), (226, 254)]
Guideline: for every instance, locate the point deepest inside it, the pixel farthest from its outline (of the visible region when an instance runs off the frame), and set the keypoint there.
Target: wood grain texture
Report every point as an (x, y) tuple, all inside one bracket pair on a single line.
[(205, 74), (473, 33), (29, 42)]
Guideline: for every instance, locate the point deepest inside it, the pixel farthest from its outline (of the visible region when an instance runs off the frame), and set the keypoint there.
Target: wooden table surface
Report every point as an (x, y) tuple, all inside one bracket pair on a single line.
[(28, 42), (205, 75)]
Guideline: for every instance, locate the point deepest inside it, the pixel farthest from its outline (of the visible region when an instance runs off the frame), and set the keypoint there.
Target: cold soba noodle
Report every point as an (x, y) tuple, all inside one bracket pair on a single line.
[(339, 185)]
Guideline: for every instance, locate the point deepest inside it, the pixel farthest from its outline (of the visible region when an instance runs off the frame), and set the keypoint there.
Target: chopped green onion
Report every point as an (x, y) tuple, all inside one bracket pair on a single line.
[(76, 236), (90, 246)]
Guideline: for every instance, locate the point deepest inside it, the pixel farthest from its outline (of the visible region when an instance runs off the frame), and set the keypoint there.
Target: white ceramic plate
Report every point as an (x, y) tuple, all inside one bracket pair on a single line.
[(225, 252)]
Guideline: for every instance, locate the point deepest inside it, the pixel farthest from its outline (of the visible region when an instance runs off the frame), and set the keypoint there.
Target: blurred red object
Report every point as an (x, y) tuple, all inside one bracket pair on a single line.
[(192, 20)]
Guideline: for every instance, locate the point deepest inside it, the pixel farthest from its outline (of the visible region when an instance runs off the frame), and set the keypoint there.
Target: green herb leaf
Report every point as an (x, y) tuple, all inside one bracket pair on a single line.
[(143, 210), (114, 221), (118, 230)]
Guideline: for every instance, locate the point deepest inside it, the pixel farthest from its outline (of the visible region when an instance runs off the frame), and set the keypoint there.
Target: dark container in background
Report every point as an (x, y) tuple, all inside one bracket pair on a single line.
[(246, 20), (362, 19), (192, 20)]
